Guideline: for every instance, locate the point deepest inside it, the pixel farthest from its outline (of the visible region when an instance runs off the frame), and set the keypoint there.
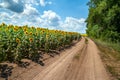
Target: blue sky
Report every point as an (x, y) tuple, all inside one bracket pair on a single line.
[(68, 15)]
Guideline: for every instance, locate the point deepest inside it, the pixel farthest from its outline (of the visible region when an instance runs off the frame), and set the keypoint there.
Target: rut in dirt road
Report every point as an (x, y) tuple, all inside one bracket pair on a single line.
[(87, 67)]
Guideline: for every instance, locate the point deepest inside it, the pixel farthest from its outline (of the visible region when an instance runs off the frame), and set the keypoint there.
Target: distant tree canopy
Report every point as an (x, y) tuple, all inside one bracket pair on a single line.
[(103, 21)]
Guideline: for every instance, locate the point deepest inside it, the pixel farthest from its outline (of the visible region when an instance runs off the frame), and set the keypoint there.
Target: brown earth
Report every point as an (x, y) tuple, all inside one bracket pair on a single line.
[(80, 62)]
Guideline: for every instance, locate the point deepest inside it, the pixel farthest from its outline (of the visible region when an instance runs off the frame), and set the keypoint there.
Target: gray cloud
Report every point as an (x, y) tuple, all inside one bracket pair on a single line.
[(15, 6)]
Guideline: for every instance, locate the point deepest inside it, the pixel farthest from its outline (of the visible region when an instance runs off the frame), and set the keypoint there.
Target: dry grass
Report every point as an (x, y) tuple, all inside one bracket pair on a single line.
[(77, 56), (111, 58)]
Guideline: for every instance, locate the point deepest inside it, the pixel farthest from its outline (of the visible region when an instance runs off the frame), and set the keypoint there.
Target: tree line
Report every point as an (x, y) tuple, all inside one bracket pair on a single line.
[(103, 20)]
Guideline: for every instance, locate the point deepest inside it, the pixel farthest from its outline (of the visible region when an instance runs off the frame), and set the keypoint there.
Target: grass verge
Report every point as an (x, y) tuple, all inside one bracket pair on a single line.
[(111, 57)]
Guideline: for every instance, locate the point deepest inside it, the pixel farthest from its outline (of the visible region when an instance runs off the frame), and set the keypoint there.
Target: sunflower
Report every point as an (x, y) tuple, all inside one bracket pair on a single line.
[(26, 32), (25, 29), (31, 39), (30, 33), (3, 24), (43, 31), (33, 27), (38, 28), (15, 28), (17, 40)]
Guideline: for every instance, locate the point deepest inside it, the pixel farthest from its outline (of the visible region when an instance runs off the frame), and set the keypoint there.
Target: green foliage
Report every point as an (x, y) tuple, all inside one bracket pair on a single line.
[(104, 20), (18, 42)]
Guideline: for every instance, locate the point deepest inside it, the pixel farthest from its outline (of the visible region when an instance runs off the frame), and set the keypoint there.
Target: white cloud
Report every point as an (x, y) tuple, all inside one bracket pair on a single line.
[(50, 15), (73, 24), (44, 3), (16, 1), (33, 2), (82, 20), (50, 18), (4, 16), (29, 10)]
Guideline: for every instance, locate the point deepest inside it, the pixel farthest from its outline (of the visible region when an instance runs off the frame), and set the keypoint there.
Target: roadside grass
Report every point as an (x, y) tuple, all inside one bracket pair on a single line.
[(77, 56), (112, 45), (111, 70), (86, 40), (110, 54)]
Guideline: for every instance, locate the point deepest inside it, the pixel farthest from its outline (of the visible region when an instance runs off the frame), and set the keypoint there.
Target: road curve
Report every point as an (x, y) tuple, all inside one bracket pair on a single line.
[(88, 66)]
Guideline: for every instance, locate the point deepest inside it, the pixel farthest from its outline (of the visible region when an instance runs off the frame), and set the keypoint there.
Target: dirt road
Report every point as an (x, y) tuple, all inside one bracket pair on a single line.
[(81, 62)]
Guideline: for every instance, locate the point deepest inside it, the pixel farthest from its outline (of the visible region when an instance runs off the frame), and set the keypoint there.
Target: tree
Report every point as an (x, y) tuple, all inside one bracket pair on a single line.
[(104, 19)]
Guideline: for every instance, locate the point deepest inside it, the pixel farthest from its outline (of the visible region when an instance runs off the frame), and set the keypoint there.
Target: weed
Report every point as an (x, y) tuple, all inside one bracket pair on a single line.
[(86, 41)]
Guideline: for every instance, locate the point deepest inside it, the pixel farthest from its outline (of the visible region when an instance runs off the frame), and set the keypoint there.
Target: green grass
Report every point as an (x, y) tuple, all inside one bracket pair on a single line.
[(115, 46)]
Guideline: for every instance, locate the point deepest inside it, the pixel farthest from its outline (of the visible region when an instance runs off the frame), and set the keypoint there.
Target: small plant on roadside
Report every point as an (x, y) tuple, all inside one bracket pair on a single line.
[(77, 56), (86, 41)]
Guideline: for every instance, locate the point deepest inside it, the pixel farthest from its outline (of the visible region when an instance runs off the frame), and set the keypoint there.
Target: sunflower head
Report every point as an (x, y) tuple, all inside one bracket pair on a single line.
[(17, 40), (25, 29), (31, 39), (3, 24), (16, 28), (33, 27), (43, 31), (26, 32), (30, 33)]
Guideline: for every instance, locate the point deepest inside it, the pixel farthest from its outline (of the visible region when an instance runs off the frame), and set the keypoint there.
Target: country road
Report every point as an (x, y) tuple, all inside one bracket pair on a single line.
[(59, 39), (79, 62), (86, 66)]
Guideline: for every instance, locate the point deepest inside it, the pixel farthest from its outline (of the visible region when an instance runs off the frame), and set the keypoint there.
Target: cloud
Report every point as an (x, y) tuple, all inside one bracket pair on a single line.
[(51, 18), (33, 2), (13, 5), (73, 24), (5, 17), (30, 11), (44, 3), (30, 16)]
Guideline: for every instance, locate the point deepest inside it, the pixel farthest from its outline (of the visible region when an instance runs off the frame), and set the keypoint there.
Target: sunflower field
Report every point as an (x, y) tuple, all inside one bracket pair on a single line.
[(18, 42)]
